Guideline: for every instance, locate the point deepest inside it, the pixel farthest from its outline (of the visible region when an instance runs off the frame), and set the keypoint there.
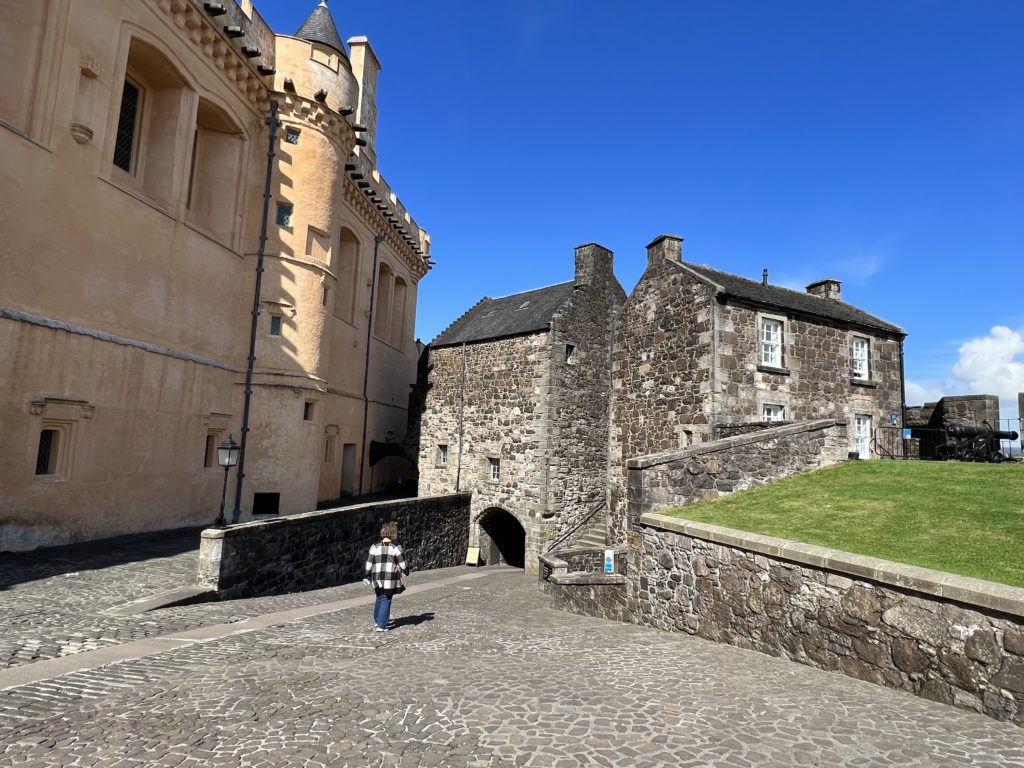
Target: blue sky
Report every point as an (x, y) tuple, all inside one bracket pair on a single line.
[(880, 142)]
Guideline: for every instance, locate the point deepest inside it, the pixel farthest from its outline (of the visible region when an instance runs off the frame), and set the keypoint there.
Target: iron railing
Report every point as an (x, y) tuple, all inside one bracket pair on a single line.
[(580, 525), (941, 444)]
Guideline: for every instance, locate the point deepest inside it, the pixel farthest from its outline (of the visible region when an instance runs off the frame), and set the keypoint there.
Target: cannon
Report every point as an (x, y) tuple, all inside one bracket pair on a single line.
[(973, 444)]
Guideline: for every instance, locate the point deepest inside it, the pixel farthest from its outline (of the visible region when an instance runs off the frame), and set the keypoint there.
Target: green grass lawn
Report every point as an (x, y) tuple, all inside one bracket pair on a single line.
[(961, 518)]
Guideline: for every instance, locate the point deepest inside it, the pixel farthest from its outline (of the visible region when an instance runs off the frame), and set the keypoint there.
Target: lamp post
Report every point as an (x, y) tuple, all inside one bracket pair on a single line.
[(227, 457)]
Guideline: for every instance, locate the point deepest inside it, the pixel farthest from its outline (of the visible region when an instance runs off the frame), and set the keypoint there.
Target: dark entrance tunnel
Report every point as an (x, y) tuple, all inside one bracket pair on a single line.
[(504, 539)]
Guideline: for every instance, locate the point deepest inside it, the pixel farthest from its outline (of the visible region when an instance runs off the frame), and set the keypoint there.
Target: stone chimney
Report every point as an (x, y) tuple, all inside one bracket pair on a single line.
[(826, 289), (593, 265), (665, 247), (365, 67)]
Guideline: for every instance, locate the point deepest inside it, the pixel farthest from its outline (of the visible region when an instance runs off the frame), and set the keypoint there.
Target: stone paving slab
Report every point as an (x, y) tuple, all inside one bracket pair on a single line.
[(480, 674)]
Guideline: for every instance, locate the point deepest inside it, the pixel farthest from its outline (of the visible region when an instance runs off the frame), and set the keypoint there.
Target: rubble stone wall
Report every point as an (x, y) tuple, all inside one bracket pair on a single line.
[(709, 470), (950, 639), (321, 549)]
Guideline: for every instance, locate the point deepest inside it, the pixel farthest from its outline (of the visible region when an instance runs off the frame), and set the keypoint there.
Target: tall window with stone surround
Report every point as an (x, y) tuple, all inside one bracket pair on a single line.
[(494, 466), (860, 358), (771, 342)]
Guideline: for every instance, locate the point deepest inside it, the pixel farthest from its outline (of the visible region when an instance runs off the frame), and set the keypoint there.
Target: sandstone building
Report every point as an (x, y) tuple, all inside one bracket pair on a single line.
[(134, 142), (552, 418)]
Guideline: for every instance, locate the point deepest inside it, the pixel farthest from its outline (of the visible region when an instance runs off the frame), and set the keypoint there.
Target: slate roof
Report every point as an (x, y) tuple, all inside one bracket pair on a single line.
[(513, 315), (320, 28), (784, 298)]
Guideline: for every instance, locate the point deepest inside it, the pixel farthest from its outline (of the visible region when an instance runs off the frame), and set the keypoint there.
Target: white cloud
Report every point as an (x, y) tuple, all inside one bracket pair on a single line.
[(862, 267), (989, 365)]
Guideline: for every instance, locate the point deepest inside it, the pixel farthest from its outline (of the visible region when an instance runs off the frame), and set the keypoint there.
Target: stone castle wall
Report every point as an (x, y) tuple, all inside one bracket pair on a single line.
[(504, 416), (320, 549), (815, 380), (950, 639), (580, 392), (709, 470)]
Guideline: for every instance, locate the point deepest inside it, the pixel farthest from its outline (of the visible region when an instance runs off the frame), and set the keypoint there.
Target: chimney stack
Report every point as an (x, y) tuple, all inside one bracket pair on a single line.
[(826, 289), (764, 277), (665, 247), (593, 265), (366, 67)]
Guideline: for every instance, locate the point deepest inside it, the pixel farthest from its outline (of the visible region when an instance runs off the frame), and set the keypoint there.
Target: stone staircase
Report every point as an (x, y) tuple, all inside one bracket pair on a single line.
[(589, 538)]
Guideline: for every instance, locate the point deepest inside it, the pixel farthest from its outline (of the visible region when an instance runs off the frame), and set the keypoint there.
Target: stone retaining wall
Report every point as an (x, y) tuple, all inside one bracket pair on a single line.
[(708, 470), (320, 549), (943, 637), (575, 582)]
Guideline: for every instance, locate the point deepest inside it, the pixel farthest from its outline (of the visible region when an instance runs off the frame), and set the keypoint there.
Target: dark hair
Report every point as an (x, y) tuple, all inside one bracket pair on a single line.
[(389, 530)]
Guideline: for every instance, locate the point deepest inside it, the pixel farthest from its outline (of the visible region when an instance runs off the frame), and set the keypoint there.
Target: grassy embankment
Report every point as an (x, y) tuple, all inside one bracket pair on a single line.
[(960, 518)]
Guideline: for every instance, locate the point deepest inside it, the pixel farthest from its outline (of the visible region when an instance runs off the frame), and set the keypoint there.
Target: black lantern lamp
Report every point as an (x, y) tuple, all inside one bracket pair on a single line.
[(227, 457)]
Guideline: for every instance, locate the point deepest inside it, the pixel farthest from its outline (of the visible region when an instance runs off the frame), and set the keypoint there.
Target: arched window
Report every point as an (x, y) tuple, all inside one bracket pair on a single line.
[(398, 313), (216, 164), (146, 143), (382, 319), (348, 271)]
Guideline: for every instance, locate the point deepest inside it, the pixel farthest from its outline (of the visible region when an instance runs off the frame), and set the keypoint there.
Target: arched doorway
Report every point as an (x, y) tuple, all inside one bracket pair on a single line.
[(502, 538)]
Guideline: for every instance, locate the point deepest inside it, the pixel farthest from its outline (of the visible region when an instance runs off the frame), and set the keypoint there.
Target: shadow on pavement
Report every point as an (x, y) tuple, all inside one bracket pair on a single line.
[(411, 621), (43, 563)]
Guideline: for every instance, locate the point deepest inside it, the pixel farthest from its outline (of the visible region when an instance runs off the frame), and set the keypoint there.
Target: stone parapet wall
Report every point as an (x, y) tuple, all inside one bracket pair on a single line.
[(708, 470), (947, 638), (575, 582), (320, 549)]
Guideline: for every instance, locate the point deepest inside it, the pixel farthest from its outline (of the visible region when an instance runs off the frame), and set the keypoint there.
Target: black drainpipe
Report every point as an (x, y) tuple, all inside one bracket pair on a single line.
[(903, 401), (273, 123), (377, 240)]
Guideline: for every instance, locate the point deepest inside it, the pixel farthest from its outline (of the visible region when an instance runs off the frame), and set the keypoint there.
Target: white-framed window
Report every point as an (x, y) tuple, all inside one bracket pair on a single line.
[(442, 455), (862, 435), (495, 469), (275, 325), (771, 412), (771, 342), (860, 357)]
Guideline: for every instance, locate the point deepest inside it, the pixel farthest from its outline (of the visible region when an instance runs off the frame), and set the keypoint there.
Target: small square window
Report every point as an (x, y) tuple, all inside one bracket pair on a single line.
[(275, 325), (291, 135), (307, 410), (442, 455), (770, 413), (284, 215), (495, 467), (570, 353)]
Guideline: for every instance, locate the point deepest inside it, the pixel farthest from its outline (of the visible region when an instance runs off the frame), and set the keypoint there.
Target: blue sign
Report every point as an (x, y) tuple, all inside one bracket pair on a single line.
[(893, 419), (906, 433), (609, 561)]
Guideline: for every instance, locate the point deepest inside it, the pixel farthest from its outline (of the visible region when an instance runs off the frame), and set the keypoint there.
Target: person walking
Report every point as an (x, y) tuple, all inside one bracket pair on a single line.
[(385, 566)]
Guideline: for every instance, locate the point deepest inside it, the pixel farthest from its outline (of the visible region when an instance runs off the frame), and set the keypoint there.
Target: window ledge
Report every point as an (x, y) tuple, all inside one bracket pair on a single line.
[(140, 197), (772, 369), (868, 383)]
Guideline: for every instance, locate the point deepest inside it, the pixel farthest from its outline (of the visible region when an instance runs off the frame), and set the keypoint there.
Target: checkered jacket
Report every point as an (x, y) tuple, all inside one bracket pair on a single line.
[(385, 565)]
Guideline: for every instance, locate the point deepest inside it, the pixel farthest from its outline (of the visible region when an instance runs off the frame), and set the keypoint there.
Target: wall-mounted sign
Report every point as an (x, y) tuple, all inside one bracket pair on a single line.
[(609, 561)]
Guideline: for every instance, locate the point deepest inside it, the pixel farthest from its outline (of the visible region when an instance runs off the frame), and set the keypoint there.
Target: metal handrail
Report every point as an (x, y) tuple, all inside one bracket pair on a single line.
[(559, 541)]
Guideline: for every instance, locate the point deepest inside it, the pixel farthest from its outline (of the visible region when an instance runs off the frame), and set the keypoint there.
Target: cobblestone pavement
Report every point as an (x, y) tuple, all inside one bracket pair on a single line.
[(480, 673)]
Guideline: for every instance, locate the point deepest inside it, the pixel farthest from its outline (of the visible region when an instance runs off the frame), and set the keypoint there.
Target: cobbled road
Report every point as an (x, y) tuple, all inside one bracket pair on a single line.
[(477, 671)]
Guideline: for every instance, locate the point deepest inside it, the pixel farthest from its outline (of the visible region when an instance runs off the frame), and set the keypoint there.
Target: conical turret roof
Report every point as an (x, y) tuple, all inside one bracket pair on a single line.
[(320, 28)]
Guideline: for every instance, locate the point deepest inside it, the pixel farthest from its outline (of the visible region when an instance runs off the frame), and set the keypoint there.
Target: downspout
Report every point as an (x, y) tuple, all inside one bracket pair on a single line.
[(377, 240), (273, 124), (462, 408), (903, 401), (714, 365)]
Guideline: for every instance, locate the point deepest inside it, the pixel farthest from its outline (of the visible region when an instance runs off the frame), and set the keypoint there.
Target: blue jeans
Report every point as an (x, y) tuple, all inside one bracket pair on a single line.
[(382, 609)]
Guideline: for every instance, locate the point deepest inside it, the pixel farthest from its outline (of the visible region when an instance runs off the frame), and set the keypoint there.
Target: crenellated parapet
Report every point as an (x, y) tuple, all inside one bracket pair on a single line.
[(313, 113)]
